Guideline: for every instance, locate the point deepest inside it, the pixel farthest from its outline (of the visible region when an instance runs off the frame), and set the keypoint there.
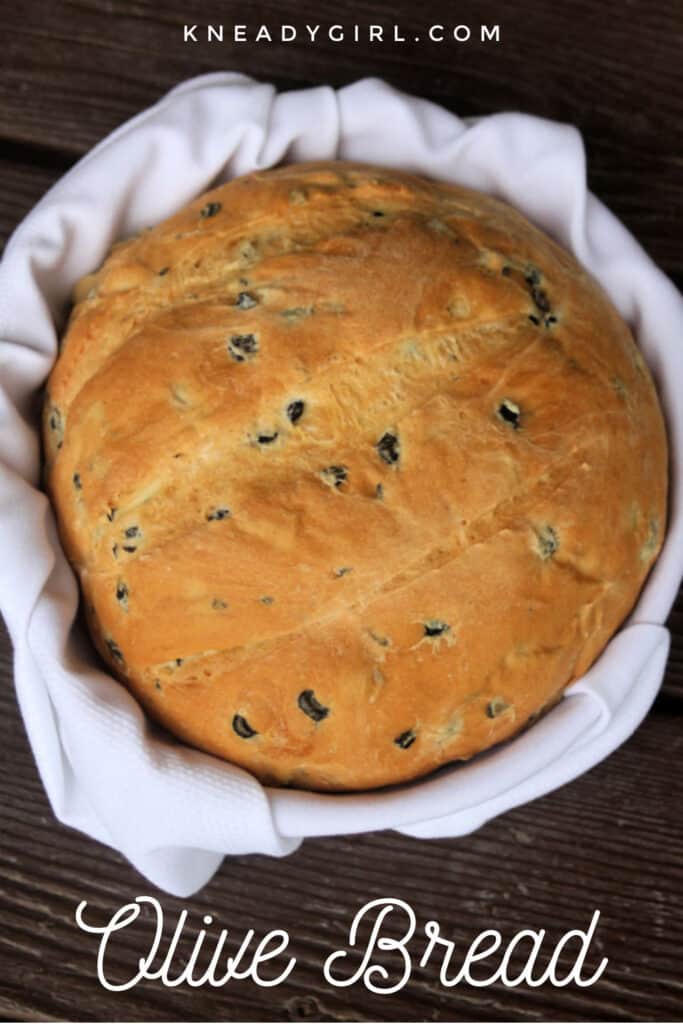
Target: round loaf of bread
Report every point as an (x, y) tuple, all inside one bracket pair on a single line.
[(357, 472)]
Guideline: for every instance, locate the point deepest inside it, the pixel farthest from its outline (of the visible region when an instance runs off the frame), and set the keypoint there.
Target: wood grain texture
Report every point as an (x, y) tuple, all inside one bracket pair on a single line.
[(611, 840), (614, 73)]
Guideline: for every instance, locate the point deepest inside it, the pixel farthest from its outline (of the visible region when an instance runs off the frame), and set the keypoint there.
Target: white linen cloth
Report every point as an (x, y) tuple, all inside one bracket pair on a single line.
[(175, 812)]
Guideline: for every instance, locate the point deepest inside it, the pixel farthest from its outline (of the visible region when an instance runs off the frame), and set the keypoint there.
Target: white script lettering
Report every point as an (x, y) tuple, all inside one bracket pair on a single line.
[(270, 946)]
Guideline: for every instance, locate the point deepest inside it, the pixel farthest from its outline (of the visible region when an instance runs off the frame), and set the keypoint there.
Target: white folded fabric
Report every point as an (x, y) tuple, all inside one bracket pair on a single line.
[(175, 812)]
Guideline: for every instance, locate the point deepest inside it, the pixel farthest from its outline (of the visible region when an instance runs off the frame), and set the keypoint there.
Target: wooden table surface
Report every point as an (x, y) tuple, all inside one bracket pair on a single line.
[(613, 840)]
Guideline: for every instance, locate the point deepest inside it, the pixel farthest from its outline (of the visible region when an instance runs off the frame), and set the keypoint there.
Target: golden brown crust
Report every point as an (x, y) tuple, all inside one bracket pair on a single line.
[(358, 471)]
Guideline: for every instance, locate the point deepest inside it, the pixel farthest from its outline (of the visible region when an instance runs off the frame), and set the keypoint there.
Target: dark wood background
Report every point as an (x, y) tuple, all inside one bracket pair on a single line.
[(613, 840)]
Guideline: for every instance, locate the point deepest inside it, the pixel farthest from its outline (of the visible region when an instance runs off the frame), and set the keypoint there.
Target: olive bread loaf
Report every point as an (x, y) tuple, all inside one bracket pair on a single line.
[(357, 471)]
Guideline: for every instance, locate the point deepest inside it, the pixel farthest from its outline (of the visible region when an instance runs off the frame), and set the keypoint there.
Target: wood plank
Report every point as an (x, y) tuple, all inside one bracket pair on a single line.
[(102, 69), (102, 65), (611, 841)]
